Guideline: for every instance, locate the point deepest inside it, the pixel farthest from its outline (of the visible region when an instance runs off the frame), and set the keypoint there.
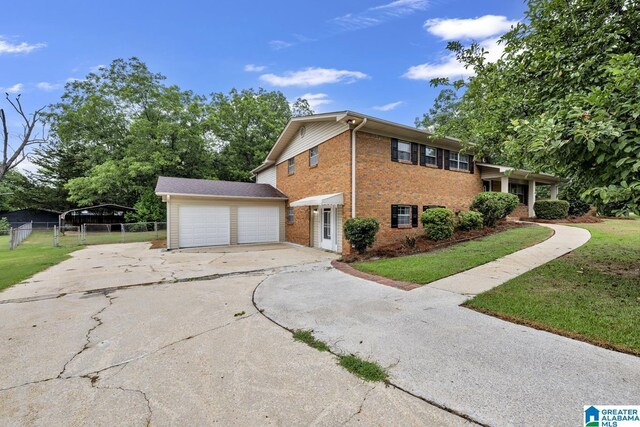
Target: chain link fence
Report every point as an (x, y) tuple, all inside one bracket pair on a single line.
[(97, 234), (18, 234)]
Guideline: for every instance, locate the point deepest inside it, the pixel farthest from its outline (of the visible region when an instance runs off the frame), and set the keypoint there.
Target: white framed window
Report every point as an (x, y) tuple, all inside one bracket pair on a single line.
[(291, 166), (458, 161), (430, 156), (290, 216), (519, 190), (313, 156), (404, 151), (404, 216)]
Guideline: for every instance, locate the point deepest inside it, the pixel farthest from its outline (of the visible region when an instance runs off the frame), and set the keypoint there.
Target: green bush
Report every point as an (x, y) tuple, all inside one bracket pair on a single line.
[(361, 232), (438, 223), (577, 206), (494, 206), (551, 209), (4, 226), (470, 220)]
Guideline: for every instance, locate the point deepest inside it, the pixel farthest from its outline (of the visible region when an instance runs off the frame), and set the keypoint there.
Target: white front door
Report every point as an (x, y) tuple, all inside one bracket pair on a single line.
[(327, 229)]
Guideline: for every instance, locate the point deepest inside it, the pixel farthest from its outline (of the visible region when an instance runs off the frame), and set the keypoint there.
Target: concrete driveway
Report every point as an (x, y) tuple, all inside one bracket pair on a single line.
[(124, 335), (495, 372)]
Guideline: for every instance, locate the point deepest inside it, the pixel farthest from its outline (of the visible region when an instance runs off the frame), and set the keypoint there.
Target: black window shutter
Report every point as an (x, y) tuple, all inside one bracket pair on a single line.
[(414, 153), (423, 155), (526, 195), (439, 154), (414, 215), (446, 159), (424, 208), (394, 150), (394, 216), (471, 168)]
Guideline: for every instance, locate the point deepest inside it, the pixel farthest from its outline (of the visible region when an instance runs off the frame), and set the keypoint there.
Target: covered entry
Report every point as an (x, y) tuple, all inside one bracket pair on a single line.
[(326, 220)]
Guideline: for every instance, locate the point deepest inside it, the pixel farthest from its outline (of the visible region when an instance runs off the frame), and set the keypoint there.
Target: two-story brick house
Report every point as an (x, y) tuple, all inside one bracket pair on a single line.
[(327, 168)]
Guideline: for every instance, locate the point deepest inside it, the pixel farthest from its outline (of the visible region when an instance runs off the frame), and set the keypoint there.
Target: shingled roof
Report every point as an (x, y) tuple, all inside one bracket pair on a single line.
[(205, 187)]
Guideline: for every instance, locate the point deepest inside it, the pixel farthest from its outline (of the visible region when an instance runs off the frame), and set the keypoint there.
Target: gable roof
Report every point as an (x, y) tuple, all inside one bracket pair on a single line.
[(373, 125), (204, 187)]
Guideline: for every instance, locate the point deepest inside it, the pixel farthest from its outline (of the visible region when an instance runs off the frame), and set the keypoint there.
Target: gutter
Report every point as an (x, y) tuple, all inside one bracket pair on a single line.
[(353, 166)]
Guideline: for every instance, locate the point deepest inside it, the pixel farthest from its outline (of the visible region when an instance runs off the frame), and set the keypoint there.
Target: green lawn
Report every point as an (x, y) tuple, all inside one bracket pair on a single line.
[(435, 265), (592, 294), (35, 254)]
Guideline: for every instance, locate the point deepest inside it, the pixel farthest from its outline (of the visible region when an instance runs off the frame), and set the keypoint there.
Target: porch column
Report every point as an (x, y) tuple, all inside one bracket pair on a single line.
[(532, 197), (504, 184), (554, 191)]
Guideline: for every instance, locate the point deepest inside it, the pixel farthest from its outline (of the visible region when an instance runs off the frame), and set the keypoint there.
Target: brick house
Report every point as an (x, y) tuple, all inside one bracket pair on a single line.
[(327, 168)]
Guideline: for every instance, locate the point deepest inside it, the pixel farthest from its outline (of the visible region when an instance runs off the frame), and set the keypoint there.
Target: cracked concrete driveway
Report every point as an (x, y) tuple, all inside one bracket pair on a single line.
[(121, 334)]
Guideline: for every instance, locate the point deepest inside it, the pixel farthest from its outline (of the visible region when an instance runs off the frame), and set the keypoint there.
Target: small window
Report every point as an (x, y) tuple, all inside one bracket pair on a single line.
[(430, 156), (313, 156), (404, 216), (458, 161), (519, 190), (404, 151), (303, 131), (290, 215), (292, 166)]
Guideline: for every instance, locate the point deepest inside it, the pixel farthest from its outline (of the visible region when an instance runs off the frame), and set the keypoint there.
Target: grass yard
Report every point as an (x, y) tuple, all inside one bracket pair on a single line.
[(35, 254), (592, 294), (431, 266)]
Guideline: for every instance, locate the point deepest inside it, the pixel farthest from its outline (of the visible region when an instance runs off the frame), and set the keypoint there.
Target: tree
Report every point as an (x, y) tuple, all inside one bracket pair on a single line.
[(246, 124), (564, 97), (12, 157)]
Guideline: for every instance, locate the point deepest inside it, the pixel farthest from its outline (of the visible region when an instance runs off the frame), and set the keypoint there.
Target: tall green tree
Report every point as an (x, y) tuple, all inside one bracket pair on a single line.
[(246, 124), (564, 97)]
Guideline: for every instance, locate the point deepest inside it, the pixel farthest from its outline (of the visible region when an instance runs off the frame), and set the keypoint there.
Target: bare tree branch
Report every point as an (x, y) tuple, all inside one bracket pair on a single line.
[(27, 138)]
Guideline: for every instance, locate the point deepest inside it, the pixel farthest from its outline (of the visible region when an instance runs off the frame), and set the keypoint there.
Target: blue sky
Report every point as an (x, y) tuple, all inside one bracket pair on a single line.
[(374, 57)]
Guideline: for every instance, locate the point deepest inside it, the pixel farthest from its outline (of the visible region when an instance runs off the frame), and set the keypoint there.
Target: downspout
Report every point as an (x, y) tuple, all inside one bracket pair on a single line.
[(353, 167)]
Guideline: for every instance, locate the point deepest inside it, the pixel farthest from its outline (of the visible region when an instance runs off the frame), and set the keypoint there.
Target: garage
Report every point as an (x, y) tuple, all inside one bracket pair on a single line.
[(204, 213), (258, 224), (204, 226)]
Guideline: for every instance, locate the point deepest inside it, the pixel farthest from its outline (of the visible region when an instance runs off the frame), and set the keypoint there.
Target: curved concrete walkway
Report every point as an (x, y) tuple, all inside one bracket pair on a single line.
[(495, 372), (495, 273)]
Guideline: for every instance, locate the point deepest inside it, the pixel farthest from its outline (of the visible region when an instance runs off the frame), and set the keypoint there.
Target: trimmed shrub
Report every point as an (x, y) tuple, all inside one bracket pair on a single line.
[(577, 206), (361, 232), (494, 206), (4, 225), (470, 220), (551, 209), (438, 223)]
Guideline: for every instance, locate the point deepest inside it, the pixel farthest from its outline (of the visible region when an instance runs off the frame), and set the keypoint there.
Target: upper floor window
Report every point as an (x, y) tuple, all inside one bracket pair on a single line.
[(458, 161), (404, 151), (291, 166), (313, 156), (430, 156)]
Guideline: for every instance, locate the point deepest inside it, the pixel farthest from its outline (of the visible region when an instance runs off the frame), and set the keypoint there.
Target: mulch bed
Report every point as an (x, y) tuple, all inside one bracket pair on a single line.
[(425, 245), (584, 219), (158, 244)]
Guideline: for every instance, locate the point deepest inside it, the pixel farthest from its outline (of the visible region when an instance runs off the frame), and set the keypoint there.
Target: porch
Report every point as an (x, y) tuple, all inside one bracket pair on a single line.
[(519, 182), (325, 220)]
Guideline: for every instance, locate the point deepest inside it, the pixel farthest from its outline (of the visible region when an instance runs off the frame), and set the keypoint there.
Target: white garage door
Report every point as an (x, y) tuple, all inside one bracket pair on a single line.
[(203, 226), (258, 224)]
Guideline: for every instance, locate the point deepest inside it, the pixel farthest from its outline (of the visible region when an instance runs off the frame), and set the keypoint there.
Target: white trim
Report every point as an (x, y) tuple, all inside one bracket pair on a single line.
[(168, 221), (353, 167), (209, 196)]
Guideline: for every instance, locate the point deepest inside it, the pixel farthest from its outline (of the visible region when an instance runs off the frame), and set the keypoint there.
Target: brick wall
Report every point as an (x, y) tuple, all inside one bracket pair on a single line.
[(381, 182), (331, 175)]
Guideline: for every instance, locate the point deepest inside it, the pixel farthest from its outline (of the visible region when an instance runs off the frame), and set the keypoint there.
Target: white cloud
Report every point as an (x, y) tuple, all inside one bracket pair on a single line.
[(450, 67), (48, 87), (312, 76), (279, 44), (27, 166), (16, 88), (474, 28), (316, 99), (378, 14), (7, 46), (252, 68), (388, 107)]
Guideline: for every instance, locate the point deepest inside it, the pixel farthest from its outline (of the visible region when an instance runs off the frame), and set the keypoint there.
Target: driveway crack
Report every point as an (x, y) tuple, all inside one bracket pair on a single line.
[(364, 399)]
